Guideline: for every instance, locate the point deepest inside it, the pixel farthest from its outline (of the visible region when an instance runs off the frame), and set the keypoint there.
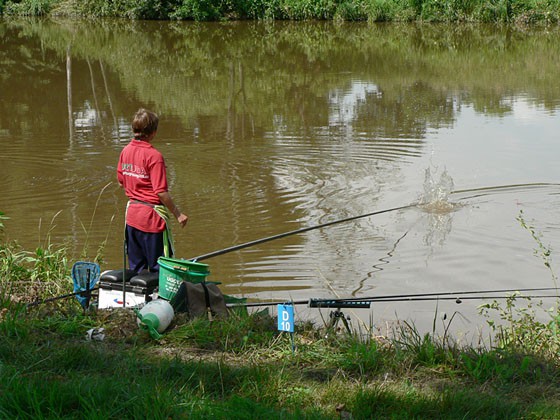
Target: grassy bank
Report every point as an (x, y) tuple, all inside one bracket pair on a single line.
[(491, 11), (242, 367)]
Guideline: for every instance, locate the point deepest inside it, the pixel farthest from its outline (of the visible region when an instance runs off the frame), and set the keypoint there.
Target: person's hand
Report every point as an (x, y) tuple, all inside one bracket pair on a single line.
[(183, 219)]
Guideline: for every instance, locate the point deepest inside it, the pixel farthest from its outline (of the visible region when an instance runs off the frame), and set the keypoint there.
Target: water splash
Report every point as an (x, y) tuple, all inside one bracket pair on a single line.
[(436, 193)]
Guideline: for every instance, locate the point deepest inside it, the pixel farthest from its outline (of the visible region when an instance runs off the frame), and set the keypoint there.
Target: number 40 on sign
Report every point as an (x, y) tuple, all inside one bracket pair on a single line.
[(286, 318)]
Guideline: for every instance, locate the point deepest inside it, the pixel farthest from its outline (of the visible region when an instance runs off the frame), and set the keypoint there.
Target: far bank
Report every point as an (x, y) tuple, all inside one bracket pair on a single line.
[(518, 12)]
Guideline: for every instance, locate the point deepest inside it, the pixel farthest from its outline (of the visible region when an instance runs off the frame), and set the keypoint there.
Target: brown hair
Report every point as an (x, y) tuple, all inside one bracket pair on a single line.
[(144, 123)]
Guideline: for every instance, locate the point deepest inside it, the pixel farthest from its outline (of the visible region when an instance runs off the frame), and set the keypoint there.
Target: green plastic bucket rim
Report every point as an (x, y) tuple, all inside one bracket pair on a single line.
[(186, 266), (186, 271)]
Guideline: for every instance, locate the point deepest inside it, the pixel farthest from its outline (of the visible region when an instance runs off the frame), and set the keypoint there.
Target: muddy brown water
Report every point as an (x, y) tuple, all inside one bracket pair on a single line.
[(273, 127)]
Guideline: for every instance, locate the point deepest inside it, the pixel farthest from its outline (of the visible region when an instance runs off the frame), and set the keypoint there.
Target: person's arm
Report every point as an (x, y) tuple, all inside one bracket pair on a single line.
[(168, 202)]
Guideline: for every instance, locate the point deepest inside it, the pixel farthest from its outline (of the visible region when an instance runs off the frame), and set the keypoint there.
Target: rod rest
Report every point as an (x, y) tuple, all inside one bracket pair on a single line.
[(335, 303)]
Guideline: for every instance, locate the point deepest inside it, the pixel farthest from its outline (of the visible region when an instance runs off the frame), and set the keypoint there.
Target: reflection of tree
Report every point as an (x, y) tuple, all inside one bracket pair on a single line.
[(236, 118), (69, 94), (97, 109), (297, 65), (108, 94), (273, 86), (30, 73), (406, 113), (490, 102)]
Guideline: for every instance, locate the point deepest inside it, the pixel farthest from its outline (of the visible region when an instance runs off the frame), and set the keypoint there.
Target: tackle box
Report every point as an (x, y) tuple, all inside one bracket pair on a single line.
[(139, 289), (116, 276)]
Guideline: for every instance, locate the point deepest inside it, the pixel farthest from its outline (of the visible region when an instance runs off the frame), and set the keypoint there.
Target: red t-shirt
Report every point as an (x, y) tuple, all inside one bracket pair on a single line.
[(141, 171)]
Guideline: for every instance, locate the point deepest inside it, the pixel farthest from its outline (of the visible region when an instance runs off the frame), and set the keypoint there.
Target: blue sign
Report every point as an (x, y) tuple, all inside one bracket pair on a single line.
[(286, 318)]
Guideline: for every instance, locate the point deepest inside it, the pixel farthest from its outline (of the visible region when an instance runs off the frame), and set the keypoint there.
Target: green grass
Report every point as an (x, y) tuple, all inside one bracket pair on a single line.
[(242, 367)]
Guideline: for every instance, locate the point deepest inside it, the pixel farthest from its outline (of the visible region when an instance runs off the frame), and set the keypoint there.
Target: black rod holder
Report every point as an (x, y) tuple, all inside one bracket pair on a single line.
[(337, 303)]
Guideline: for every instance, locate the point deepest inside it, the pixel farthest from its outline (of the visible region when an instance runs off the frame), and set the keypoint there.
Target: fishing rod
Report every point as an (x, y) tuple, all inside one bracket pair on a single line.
[(315, 302), (82, 293), (348, 219), (474, 292), (460, 299), (302, 230), (294, 232)]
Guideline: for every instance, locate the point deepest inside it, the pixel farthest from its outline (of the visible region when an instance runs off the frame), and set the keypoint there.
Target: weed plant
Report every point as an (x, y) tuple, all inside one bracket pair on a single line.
[(517, 323)]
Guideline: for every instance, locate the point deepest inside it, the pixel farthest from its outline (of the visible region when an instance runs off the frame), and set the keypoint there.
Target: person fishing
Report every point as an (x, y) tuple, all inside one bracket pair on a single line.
[(141, 172)]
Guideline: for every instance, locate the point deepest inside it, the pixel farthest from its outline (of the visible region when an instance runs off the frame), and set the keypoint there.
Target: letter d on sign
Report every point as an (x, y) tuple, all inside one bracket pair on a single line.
[(286, 318)]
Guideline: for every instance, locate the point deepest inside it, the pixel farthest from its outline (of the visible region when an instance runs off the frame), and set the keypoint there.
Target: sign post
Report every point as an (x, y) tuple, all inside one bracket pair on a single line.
[(286, 320)]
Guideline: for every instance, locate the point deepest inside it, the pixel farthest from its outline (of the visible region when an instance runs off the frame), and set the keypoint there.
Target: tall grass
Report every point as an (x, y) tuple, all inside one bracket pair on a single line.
[(31, 276), (101, 247)]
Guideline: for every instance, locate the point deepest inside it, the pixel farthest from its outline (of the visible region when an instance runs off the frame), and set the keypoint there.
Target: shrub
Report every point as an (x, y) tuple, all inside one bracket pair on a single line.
[(199, 10), (27, 7), (449, 10)]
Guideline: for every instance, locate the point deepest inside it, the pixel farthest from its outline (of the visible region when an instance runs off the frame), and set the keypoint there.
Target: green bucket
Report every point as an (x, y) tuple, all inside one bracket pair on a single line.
[(172, 272)]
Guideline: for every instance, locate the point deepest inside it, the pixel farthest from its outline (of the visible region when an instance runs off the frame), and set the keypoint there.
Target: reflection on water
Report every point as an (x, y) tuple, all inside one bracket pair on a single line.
[(268, 128)]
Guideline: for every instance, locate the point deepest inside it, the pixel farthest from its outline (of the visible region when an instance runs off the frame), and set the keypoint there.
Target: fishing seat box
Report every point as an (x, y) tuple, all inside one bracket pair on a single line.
[(139, 288)]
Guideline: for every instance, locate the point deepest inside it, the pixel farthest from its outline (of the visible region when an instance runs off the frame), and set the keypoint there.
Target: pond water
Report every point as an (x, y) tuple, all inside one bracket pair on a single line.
[(272, 127)]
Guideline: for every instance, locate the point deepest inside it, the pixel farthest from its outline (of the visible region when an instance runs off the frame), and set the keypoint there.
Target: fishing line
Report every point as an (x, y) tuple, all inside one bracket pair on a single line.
[(483, 191), (378, 266), (504, 187), (348, 219)]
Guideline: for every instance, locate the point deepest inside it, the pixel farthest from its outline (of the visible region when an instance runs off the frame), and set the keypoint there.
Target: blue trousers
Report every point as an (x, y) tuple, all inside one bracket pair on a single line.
[(143, 249)]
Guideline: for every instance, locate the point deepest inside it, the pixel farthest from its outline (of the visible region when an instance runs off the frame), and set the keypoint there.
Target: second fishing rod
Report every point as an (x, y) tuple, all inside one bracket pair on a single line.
[(334, 222), (295, 232), (458, 296)]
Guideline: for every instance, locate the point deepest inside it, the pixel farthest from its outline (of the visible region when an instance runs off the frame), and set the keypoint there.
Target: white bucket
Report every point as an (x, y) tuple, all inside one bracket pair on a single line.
[(155, 317)]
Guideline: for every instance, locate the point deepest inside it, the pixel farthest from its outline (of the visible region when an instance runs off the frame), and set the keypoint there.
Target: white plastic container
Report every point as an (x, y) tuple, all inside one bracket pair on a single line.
[(155, 317)]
